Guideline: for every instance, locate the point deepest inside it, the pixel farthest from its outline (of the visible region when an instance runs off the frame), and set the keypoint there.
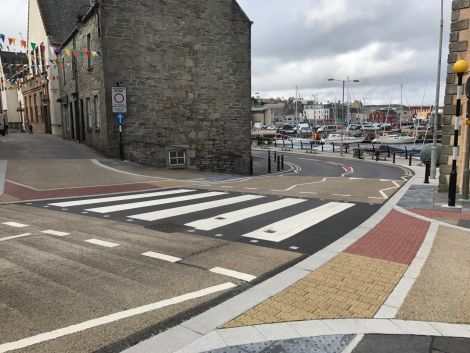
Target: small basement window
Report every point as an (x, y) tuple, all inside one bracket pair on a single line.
[(177, 158)]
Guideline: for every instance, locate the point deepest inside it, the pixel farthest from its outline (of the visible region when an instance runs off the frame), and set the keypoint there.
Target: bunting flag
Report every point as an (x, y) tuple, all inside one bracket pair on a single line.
[(2, 38), (33, 46), (12, 41), (75, 53), (23, 44)]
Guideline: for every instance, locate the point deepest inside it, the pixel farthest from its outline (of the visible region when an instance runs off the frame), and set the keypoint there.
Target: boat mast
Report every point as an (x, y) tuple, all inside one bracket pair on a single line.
[(401, 104), (296, 115)]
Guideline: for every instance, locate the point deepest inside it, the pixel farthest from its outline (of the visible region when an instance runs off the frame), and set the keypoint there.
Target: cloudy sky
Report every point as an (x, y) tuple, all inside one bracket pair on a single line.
[(382, 43)]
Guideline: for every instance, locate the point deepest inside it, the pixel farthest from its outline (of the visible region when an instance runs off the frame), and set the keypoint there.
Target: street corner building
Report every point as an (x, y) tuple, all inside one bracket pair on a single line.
[(458, 49), (186, 68)]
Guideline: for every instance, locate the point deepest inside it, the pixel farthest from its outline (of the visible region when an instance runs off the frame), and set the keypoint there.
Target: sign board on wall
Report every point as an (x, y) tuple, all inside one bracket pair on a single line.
[(119, 98)]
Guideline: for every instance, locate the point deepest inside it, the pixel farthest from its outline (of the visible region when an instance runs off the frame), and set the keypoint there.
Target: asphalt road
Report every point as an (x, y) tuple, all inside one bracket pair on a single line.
[(107, 273), (328, 166)]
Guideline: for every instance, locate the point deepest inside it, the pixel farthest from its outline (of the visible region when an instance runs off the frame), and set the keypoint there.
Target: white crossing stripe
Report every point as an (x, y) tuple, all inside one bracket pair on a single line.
[(119, 198), (61, 332), (163, 257), (15, 236), (291, 226), (177, 211), (55, 232), (131, 206), (106, 244), (235, 274), (240, 215), (14, 224)]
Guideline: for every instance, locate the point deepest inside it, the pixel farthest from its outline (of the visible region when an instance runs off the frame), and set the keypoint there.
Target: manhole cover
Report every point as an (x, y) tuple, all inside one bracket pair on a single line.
[(169, 228)]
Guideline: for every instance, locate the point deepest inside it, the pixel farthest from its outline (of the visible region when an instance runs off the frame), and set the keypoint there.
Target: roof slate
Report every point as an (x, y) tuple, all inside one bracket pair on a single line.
[(60, 17)]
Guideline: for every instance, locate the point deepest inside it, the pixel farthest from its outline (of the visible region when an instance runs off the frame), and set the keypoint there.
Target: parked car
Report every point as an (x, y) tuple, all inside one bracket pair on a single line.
[(327, 129)]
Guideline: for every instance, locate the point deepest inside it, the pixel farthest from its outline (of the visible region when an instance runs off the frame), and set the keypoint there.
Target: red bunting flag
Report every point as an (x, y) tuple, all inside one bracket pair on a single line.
[(23, 44), (12, 41), (75, 53)]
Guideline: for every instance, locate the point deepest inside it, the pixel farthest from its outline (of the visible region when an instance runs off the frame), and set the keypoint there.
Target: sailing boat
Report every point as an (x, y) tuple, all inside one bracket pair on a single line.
[(395, 139)]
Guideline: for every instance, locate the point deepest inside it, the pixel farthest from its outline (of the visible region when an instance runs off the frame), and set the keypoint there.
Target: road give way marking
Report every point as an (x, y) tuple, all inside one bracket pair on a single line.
[(47, 336)]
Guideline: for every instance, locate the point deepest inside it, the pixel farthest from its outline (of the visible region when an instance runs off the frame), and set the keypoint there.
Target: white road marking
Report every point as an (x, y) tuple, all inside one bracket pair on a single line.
[(289, 227), (134, 205), (227, 186), (15, 236), (309, 192), (119, 198), (240, 215), (356, 178), (178, 211), (235, 274), (341, 195), (54, 232), (251, 188), (163, 257), (47, 336), (15, 225), (106, 244)]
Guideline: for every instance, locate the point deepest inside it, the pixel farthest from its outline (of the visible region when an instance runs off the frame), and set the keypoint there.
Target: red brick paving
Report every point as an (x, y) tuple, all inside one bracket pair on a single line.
[(397, 238), (442, 214), (25, 193)]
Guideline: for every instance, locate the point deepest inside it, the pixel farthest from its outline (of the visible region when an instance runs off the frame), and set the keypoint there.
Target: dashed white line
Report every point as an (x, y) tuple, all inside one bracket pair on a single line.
[(15, 224), (47, 336), (235, 274), (251, 188), (15, 236), (309, 192), (341, 195), (106, 244), (54, 232), (160, 256)]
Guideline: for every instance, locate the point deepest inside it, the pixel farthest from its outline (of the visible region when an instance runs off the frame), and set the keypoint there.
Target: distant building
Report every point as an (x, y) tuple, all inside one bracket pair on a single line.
[(384, 116), (320, 114), (11, 98), (49, 23), (186, 66)]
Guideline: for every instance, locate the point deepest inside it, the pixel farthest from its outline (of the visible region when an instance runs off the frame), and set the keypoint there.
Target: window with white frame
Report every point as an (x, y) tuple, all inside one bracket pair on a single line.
[(177, 158), (88, 112), (96, 111)]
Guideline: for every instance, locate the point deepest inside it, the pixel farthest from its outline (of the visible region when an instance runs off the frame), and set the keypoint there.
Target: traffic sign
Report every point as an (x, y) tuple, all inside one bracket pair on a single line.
[(119, 99), (120, 118)]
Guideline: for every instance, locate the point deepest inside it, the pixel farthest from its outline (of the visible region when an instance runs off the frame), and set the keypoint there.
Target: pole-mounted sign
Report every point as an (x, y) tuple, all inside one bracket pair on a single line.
[(119, 99), (120, 119)]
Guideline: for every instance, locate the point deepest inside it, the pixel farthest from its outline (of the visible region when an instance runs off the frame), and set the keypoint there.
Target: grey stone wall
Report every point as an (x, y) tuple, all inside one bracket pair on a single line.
[(458, 25), (88, 83), (187, 68)]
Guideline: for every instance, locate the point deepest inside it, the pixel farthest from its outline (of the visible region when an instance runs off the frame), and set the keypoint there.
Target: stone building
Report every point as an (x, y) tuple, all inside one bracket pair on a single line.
[(458, 49), (186, 66)]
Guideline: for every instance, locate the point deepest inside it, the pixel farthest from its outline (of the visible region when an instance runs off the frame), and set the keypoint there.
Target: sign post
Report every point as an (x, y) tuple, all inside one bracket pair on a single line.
[(119, 100)]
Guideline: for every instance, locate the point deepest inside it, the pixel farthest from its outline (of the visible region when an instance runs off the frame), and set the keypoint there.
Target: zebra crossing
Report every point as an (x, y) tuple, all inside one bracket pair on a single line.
[(306, 225)]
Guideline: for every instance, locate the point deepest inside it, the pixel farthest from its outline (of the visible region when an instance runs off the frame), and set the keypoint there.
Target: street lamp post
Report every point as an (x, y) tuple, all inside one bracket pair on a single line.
[(342, 108), (459, 68), (436, 106)]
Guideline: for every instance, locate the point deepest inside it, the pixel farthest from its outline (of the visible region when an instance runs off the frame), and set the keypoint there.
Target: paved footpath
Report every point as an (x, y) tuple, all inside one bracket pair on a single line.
[(387, 286)]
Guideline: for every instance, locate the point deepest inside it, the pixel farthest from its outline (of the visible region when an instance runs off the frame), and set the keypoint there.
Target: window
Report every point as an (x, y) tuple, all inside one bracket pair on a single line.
[(177, 158), (96, 111), (88, 112), (88, 49)]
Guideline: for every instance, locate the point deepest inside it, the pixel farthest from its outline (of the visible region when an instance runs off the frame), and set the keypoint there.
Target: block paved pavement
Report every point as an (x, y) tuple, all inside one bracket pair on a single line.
[(354, 284)]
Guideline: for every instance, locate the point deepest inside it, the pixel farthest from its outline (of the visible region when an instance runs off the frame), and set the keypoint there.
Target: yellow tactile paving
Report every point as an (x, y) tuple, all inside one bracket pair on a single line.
[(349, 286)]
